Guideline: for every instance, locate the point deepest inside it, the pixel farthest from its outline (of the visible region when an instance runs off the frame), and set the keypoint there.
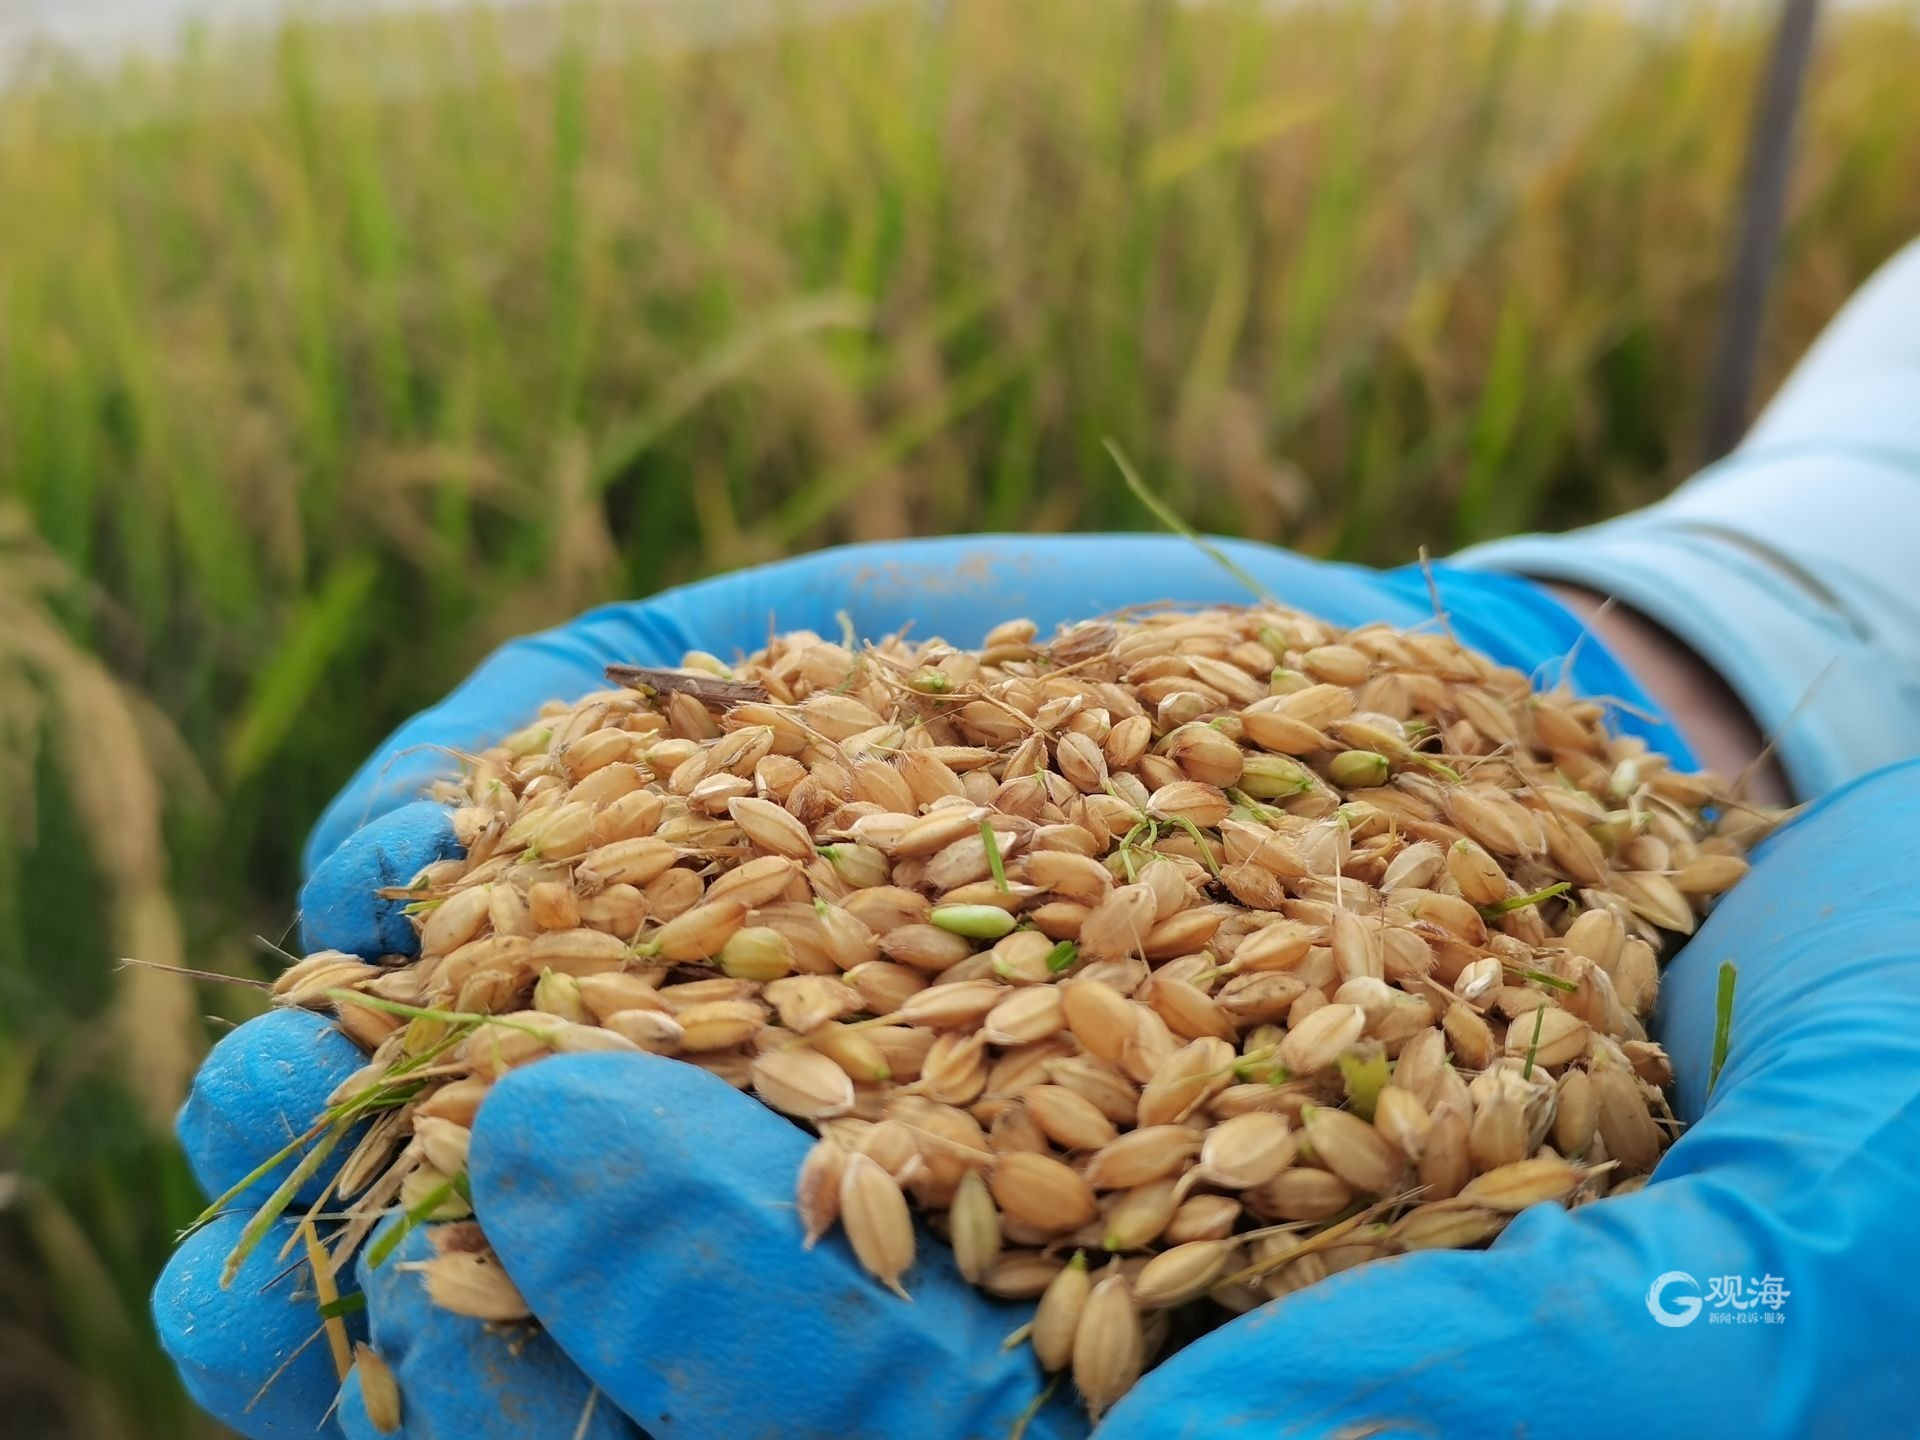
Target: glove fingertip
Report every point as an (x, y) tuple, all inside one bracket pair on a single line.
[(340, 905), (654, 1158), (243, 1351), (258, 1089)]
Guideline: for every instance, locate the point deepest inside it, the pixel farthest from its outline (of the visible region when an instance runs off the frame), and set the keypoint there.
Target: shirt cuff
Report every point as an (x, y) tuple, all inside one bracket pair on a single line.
[(1791, 573)]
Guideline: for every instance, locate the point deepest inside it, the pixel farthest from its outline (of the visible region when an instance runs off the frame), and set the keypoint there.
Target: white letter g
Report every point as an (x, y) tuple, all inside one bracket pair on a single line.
[(1685, 1308)]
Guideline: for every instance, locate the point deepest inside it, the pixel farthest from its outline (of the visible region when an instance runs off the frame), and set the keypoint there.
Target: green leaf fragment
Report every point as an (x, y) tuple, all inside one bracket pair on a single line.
[(382, 1249), (1533, 1048), (1519, 902), (1166, 515), (1722, 1021), (276, 1204), (1541, 977), (995, 864), (1445, 772), (1199, 840)]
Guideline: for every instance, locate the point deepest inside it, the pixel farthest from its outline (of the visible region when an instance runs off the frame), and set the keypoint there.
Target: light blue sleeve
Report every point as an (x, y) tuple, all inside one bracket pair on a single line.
[(1791, 565)]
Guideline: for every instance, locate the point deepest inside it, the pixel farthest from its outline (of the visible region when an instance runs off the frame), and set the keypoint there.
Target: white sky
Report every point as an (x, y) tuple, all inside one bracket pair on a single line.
[(96, 29)]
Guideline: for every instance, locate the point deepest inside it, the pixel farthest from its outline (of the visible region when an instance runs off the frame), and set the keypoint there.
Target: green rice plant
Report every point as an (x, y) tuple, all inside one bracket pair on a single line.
[(92, 1062)]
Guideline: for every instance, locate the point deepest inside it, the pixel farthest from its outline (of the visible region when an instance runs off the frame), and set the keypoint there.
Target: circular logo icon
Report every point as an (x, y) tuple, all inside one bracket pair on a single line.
[(1678, 1311)]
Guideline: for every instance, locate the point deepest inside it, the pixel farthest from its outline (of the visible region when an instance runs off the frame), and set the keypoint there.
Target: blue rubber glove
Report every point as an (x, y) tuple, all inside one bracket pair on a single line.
[(252, 1353), (610, 1301), (1801, 1167), (668, 1277)]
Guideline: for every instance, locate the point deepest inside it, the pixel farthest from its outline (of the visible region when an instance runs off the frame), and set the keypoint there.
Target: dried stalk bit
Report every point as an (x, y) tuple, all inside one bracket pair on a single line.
[(704, 688)]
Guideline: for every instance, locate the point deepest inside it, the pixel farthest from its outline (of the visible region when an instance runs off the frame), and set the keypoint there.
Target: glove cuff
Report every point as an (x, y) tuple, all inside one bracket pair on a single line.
[(1805, 621)]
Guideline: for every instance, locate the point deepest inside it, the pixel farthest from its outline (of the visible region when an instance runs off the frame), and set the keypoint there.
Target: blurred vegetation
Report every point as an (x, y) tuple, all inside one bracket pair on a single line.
[(329, 357)]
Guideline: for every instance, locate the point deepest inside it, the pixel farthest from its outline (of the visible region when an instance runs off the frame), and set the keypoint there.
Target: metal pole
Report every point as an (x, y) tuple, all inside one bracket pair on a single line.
[(1757, 242)]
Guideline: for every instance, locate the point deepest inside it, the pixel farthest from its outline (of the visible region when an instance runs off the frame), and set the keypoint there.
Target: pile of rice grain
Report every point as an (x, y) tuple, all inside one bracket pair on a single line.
[(1165, 968)]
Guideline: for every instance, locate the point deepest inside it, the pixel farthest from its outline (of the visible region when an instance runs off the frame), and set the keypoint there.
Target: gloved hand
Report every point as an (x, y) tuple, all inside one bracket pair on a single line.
[(617, 1296), (677, 1283), (641, 1205), (1800, 1166)]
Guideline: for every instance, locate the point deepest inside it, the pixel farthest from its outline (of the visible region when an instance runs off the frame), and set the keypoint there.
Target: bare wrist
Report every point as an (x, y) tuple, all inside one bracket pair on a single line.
[(1700, 703)]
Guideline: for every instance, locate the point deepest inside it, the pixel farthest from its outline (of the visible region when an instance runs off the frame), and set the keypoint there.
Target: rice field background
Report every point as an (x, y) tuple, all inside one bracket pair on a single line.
[(331, 355)]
